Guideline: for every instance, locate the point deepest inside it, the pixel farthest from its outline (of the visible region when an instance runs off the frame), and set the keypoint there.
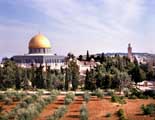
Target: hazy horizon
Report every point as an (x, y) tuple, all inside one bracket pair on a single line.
[(77, 26)]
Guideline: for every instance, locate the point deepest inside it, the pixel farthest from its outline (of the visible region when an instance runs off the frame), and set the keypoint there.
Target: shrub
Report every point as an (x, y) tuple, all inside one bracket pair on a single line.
[(132, 97), (126, 92), (40, 92), (3, 117), (34, 97), (70, 95), (9, 94), (69, 98), (2, 96), (22, 114), (121, 114), (8, 101), (83, 112), (99, 93), (42, 102), (137, 94), (148, 109), (58, 113), (17, 96), (28, 100), (67, 101), (110, 92), (55, 92), (23, 104), (118, 99), (86, 96)]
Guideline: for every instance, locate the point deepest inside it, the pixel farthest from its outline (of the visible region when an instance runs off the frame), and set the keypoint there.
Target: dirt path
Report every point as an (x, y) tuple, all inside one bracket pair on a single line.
[(49, 109), (74, 109)]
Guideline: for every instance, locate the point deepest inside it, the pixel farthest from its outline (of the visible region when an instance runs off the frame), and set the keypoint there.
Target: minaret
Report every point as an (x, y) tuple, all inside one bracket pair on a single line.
[(130, 52)]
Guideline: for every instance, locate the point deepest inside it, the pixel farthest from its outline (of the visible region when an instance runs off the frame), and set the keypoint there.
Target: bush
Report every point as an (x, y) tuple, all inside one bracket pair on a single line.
[(86, 96), (55, 92), (28, 100), (30, 107), (34, 97), (23, 104), (99, 93), (83, 112), (58, 113), (137, 94), (2, 96), (3, 117), (8, 101), (69, 98), (67, 101), (126, 92), (22, 114), (110, 92), (121, 114), (17, 97), (132, 97), (118, 99), (148, 109), (70, 95)]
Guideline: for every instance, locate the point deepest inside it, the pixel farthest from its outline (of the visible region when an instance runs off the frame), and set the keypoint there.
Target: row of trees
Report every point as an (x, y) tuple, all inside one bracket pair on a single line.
[(12, 76), (113, 72)]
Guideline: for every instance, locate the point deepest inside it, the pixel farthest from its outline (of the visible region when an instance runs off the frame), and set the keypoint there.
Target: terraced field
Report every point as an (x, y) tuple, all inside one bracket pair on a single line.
[(51, 106)]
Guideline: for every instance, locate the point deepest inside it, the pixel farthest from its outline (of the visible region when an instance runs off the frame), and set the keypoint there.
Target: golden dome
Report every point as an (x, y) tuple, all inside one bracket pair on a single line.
[(39, 41)]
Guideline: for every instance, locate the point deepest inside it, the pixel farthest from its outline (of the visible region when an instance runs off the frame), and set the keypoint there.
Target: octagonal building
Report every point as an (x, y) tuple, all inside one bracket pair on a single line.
[(39, 54)]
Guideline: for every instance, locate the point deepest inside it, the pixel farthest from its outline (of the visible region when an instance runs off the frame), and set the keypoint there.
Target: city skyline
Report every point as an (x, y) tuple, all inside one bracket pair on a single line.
[(76, 26)]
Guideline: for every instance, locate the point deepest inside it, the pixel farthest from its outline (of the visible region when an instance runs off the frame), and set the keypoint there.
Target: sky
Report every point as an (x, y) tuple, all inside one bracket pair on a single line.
[(78, 25)]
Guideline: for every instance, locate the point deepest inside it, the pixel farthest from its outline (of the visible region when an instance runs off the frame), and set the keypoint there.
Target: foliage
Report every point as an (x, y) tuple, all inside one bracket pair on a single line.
[(12, 76), (148, 109), (118, 99), (86, 96), (73, 71), (30, 107), (83, 112), (58, 113), (69, 98), (121, 114), (90, 81), (110, 92), (99, 93), (135, 93), (138, 75), (8, 101), (111, 73)]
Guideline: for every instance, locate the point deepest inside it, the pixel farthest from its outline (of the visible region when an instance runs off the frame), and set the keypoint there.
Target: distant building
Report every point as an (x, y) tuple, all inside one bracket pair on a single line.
[(86, 65), (130, 55), (39, 54)]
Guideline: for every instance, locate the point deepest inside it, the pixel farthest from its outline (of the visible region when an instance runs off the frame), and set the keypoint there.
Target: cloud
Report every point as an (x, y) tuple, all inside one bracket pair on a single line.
[(108, 21)]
